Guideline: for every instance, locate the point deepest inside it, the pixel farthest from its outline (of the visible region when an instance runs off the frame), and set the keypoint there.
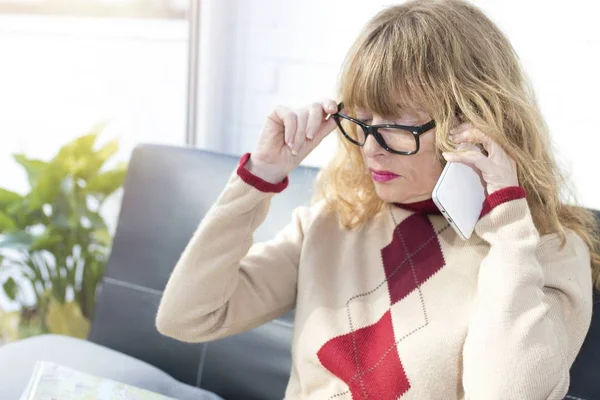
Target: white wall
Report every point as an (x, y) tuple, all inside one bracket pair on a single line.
[(289, 52)]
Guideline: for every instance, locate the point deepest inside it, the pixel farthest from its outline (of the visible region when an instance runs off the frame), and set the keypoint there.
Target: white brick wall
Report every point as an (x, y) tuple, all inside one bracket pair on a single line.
[(289, 52)]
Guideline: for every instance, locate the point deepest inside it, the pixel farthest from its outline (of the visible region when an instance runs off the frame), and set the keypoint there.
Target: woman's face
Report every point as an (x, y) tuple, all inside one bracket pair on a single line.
[(400, 178)]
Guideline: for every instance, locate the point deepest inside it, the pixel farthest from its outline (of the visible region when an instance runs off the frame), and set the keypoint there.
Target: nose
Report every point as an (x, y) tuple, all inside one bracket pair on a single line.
[(372, 148)]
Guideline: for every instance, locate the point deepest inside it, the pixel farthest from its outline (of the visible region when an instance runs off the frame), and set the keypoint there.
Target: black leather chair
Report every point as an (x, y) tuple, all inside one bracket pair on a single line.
[(167, 192), (585, 373)]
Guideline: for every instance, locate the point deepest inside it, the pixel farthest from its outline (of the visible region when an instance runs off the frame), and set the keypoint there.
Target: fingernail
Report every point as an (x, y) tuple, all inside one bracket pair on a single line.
[(309, 135), (294, 152)]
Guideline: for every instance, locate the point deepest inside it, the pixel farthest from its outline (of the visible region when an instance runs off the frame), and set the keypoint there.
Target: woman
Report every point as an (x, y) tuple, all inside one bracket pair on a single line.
[(390, 303)]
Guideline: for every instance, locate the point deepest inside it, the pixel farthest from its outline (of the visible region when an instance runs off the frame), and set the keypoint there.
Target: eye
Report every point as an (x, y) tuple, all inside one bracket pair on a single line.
[(365, 119)]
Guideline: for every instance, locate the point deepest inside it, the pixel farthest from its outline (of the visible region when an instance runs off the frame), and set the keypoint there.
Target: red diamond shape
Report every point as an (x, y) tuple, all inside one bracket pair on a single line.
[(414, 253), (370, 364)]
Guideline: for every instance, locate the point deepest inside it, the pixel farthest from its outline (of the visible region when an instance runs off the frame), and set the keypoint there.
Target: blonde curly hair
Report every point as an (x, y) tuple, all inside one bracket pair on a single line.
[(447, 57)]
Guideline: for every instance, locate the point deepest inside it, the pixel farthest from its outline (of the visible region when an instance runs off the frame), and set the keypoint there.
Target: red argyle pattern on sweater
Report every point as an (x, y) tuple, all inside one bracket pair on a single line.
[(367, 359)]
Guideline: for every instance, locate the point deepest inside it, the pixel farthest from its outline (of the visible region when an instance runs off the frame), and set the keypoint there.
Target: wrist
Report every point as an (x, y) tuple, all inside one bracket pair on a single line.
[(258, 182), (266, 172), (502, 196)]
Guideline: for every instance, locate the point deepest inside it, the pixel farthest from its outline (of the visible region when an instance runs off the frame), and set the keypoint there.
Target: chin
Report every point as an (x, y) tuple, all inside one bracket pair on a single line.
[(396, 193), (389, 193)]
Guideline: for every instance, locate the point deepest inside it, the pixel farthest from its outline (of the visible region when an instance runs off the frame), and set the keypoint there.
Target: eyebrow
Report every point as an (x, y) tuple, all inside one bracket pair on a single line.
[(402, 112)]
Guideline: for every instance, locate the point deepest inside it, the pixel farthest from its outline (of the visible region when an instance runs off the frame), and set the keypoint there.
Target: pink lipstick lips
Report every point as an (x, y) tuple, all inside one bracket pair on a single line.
[(383, 176)]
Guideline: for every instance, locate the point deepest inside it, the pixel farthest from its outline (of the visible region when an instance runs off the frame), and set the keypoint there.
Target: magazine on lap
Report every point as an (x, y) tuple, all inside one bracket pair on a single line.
[(51, 381)]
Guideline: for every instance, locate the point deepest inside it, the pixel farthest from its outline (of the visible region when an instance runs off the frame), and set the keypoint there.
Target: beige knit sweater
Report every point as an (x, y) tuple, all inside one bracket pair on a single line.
[(406, 311)]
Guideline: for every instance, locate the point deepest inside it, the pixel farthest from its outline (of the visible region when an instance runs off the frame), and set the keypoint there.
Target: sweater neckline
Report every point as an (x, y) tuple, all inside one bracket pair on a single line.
[(424, 206)]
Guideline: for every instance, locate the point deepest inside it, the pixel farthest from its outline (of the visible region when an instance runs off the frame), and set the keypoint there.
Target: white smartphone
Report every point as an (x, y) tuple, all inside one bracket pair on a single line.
[(459, 194)]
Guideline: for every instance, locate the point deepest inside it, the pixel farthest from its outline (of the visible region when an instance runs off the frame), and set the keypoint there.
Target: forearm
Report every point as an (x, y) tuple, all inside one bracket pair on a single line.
[(212, 257), (520, 343), (211, 276)]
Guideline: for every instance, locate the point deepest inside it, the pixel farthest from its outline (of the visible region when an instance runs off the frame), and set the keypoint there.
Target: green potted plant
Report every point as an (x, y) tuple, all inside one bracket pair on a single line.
[(54, 243)]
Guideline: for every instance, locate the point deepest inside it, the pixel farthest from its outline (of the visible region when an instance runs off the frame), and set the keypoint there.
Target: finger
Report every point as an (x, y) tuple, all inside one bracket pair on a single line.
[(468, 136), (460, 128), (300, 135), (474, 135), (288, 119), (329, 106), (468, 146), (474, 158), (315, 116)]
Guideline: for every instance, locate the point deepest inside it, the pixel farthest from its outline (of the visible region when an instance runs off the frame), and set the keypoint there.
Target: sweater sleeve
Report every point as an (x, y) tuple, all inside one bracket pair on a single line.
[(532, 311), (223, 284)]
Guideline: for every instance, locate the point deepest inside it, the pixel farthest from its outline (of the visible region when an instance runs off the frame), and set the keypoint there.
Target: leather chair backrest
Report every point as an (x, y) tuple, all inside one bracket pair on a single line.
[(585, 373)]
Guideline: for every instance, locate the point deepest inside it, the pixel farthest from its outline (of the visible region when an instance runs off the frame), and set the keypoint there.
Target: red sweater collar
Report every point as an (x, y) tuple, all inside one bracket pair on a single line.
[(425, 206)]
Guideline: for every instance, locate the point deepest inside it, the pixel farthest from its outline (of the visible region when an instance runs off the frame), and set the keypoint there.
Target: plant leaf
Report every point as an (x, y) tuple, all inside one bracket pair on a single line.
[(95, 219), (7, 197), (103, 237), (47, 186), (45, 241), (96, 160), (25, 215), (99, 127), (11, 288), (61, 211), (74, 156), (108, 150), (16, 240), (32, 166), (6, 223), (79, 157), (108, 182), (67, 319), (80, 147)]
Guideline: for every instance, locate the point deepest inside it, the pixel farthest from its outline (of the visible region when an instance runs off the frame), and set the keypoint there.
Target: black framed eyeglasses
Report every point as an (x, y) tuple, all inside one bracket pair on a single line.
[(397, 139)]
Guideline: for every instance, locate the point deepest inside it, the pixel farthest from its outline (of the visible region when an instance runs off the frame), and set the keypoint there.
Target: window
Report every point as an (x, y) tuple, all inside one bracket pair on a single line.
[(170, 9)]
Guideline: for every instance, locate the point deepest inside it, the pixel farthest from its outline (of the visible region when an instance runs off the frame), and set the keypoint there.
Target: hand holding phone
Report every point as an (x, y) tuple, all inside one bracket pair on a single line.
[(459, 195)]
